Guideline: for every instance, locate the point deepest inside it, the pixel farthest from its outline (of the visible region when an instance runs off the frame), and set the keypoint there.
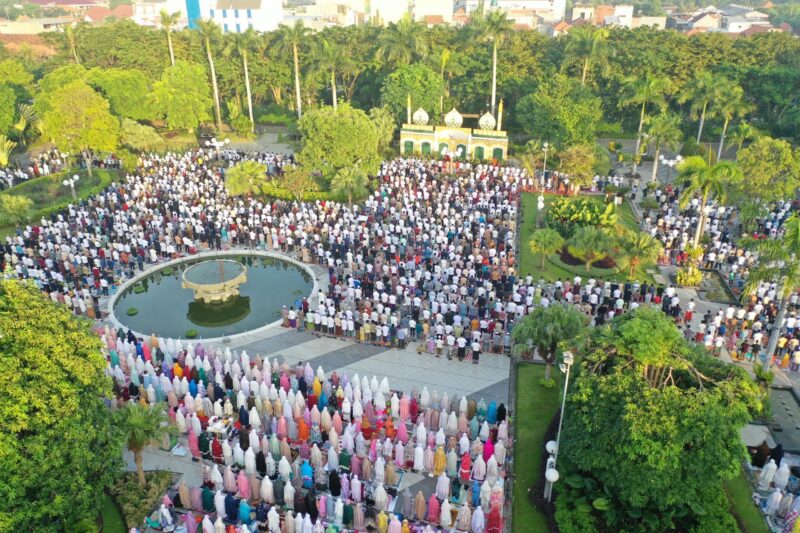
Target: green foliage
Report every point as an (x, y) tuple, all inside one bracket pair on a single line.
[(245, 178), (78, 119), (126, 91), (418, 81), (298, 183), (138, 136), (648, 408), (350, 183), (136, 501), (55, 426), (578, 163), (132, 311), (772, 170), (14, 74), (567, 213), (561, 111), (547, 383), (333, 140), (6, 147), (639, 247), (546, 327), (15, 210), (545, 242), (191, 333), (385, 125), (182, 97), (8, 107), (590, 244), (27, 125)]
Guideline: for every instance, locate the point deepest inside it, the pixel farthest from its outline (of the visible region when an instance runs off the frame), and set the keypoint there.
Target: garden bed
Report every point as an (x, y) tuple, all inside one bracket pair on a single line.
[(569, 259), (136, 502)]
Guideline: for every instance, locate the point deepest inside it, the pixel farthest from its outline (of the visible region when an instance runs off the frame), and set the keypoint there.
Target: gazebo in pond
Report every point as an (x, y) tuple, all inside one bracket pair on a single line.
[(488, 141)]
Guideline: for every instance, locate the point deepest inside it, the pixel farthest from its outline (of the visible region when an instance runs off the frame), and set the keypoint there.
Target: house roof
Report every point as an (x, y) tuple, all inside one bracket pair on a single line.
[(65, 3), (562, 26), (98, 14), (431, 20), (752, 30)]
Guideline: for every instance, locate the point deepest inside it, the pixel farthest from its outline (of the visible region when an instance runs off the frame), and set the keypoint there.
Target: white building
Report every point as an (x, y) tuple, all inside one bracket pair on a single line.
[(387, 11), (148, 12), (235, 16), (548, 10)]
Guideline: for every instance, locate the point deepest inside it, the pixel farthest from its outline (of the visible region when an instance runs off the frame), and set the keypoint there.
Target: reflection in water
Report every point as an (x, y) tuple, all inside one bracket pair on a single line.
[(215, 315)]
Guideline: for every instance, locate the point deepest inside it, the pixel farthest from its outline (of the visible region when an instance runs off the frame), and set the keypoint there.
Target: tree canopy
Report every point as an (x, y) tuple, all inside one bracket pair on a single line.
[(333, 140), (771, 169), (422, 84), (58, 450), (182, 97), (648, 408)]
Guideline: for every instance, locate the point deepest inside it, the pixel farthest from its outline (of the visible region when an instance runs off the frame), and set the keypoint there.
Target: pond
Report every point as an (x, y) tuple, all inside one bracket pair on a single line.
[(159, 305), (714, 289)]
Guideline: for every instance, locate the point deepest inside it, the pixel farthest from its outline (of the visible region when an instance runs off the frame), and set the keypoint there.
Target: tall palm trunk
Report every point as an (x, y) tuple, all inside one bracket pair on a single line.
[(702, 122), (297, 82), (217, 113), (639, 137), (333, 89), (494, 75), (722, 139), (171, 50), (701, 220), (653, 177), (249, 93), (585, 70), (137, 457), (776, 332)]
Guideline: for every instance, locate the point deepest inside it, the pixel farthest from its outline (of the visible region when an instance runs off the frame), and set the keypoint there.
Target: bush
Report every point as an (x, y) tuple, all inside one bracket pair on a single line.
[(547, 383), (274, 190), (689, 276), (136, 502), (276, 115), (191, 333), (565, 214), (132, 311)]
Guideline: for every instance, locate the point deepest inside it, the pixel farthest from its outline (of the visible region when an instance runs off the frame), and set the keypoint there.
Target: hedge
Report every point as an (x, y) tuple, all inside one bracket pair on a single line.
[(272, 190), (137, 502)]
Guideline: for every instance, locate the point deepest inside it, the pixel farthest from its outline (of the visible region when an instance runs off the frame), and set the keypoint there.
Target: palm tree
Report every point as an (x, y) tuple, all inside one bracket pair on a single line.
[(6, 147), (742, 133), (493, 27), (663, 130), (210, 34), (15, 209), (588, 45), (402, 43), (643, 91), (289, 40), (639, 247), (590, 243), (697, 176), (778, 262), (72, 42), (168, 21), (141, 425), (330, 56), (545, 242), (350, 182), (731, 105), (445, 61), (242, 44), (245, 178), (701, 91), (27, 126), (546, 327)]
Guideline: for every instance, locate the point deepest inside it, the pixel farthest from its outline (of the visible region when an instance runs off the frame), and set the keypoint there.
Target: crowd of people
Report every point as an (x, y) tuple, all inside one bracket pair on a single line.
[(430, 255), (45, 163), (291, 449)]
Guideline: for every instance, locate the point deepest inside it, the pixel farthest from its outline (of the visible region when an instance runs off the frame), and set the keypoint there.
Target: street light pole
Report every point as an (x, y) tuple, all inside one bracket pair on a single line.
[(545, 147), (552, 447), (70, 182)]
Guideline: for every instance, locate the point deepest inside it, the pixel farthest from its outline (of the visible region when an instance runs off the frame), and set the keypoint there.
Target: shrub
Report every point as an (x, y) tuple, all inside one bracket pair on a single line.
[(567, 214), (136, 502), (139, 288), (274, 190), (689, 276), (132, 311), (547, 383), (191, 333)]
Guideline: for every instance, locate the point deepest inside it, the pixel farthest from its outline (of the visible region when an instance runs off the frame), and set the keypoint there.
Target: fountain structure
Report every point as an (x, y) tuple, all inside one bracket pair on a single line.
[(215, 281)]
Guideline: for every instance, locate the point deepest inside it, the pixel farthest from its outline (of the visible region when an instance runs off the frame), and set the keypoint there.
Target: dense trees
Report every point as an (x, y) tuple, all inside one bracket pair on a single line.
[(418, 83), (55, 426), (648, 408), (182, 96)]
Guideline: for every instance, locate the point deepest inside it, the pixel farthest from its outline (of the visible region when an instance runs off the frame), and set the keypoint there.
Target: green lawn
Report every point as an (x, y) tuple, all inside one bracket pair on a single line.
[(112, 520), (739, 493), (535, 408), (554, 269), (49, 194)]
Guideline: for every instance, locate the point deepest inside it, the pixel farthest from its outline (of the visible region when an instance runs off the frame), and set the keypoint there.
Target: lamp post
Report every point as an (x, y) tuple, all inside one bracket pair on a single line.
[(217, 145), (70, 182), (670, 163), (545, 147), (551, 474), (539, 209)]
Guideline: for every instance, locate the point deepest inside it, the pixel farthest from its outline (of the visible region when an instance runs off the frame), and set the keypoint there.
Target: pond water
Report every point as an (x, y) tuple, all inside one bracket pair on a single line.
[(166, 309)]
